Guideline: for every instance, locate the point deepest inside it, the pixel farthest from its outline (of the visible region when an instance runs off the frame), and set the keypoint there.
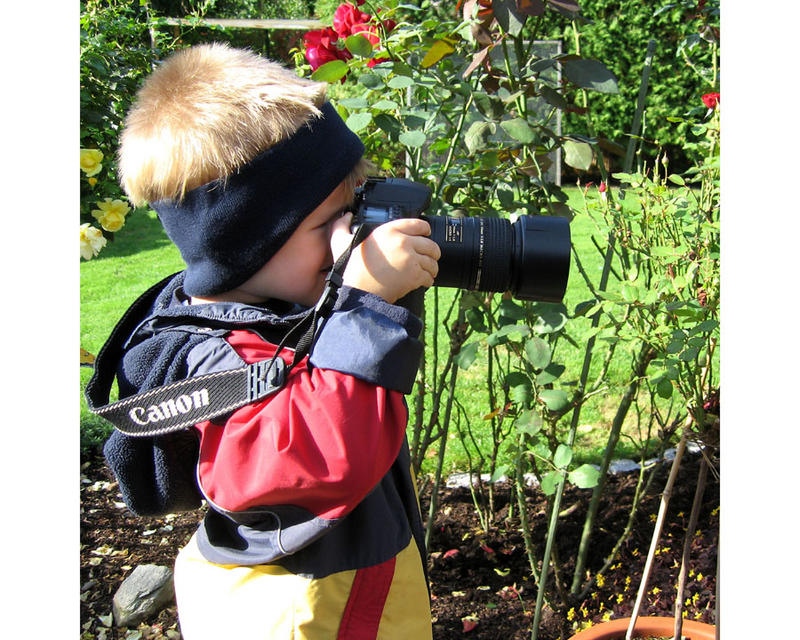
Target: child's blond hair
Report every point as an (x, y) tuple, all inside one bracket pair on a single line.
[(206, 111)]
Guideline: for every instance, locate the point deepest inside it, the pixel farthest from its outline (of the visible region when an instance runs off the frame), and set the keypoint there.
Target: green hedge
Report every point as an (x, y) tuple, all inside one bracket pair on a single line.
[(617, 34)]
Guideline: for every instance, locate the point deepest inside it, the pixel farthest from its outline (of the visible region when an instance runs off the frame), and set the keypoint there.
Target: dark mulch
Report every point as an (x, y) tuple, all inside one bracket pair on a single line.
[(481, 581)]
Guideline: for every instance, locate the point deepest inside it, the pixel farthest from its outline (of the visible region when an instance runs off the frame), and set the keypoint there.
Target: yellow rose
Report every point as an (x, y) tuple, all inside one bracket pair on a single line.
[(92, 241), (91, 161), (111, 214)]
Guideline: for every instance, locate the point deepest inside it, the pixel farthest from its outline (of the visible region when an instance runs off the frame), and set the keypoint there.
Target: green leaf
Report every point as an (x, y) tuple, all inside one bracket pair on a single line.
[(510, 311), (705, 326), (369, 80), (676, 179), (553, 97), (414, 138), (538, 352), (550, 374), (630, 293), (586, 308), (550, 320), (554, 399), (549, 482), (509, 19), (664, 389), (389, 124), (488, 105), (477, 136), (401, 82), (357, 121), (359, 46), (505, 195), (529, 422), (585, 476), (519, 130), (676, 346), (467, 355), (519, 387), (590, 74), (689, 354), (501, 471), (474, 317), (332, 71), (354, 103), (578, 155), (385, 105), (415, 119), (563, 456), (496, 338)]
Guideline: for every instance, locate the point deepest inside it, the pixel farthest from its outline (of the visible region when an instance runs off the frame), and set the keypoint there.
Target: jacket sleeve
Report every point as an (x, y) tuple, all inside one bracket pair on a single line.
[(326, 440)]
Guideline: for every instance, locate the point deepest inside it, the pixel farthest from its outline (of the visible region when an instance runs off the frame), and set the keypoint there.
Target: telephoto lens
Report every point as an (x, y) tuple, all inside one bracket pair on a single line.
[(530, 258)]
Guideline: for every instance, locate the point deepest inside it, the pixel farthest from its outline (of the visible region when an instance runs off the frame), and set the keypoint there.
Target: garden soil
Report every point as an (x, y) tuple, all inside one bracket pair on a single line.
[(481, 585)]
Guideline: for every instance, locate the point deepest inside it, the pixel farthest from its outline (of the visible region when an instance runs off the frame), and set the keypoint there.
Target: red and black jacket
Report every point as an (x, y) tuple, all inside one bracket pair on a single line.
[(315, 478)]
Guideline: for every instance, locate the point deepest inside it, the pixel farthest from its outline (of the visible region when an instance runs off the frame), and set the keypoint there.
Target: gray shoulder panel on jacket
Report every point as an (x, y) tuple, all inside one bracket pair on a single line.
[(214, 354)]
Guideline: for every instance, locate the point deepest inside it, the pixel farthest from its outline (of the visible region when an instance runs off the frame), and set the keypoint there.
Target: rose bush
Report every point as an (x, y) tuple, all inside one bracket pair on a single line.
[(109, 212), (330, 44), (468, 104)]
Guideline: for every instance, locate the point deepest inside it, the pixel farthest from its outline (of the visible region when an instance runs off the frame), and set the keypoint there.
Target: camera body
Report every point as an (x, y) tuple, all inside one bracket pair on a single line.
[(530, 257)]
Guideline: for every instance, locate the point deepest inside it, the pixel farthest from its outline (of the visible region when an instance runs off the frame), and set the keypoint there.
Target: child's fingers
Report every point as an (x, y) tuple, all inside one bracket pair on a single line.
[(410, 226), (427, 247), (430, 266)]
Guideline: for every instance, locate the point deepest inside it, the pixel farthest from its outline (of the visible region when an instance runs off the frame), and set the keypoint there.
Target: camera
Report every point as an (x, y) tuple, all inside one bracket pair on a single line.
[(530, 257)]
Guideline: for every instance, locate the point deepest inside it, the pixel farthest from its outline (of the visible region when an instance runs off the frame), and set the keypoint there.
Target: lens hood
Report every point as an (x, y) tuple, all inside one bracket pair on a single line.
[(542, 257)]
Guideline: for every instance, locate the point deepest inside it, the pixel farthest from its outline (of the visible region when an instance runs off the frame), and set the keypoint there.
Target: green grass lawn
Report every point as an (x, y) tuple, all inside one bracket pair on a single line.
[(141, 254)]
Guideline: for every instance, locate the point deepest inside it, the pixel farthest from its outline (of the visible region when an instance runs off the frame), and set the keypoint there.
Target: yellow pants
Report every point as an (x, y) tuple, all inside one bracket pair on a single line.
[(267, 602)]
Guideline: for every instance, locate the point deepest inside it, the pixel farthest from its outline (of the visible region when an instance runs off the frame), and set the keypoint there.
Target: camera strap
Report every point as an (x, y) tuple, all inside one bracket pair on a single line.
[(315, 320), (179, 405)]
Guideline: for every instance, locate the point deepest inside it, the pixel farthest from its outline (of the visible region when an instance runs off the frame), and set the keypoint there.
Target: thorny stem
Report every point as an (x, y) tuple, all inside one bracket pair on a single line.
[(637, 496), (434, 505), (519, 481), (646, 354), (687, 544), (662, 512)]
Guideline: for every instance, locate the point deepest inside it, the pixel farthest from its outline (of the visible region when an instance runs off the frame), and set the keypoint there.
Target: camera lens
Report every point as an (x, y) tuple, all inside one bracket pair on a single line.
[(530, 257)]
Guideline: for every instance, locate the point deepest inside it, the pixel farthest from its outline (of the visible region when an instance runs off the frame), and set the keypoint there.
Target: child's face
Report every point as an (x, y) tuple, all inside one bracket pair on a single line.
[(296, 273)]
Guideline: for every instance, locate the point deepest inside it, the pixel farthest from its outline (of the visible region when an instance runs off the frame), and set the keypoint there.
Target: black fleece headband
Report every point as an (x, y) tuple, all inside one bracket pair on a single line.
[(226, 230)]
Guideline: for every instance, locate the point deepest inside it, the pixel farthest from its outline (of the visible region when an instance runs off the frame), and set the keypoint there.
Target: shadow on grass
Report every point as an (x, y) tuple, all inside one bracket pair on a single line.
[(142, 230)]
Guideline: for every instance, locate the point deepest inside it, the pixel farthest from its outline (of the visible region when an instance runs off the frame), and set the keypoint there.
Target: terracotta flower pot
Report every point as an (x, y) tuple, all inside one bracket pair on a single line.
[(646, 626)]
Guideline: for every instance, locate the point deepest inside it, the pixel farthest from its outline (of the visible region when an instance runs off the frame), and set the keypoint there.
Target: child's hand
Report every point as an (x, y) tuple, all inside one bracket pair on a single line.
[(396, 258)]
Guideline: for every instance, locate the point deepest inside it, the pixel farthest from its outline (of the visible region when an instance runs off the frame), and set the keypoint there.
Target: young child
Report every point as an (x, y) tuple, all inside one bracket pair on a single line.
[(313, 527)]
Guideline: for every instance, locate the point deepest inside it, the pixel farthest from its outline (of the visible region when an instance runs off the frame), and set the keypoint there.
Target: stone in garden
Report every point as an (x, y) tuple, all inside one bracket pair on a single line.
[(623, 465), (142, 594)]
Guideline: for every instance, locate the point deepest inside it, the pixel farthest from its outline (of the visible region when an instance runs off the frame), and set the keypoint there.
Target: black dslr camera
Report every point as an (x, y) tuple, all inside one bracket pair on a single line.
[(530, 257)]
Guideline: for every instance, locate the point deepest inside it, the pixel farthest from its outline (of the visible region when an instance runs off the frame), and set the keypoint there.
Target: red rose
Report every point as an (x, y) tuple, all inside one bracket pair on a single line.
[(711, 100), (321, 47), (348, 21), (347, 17)]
